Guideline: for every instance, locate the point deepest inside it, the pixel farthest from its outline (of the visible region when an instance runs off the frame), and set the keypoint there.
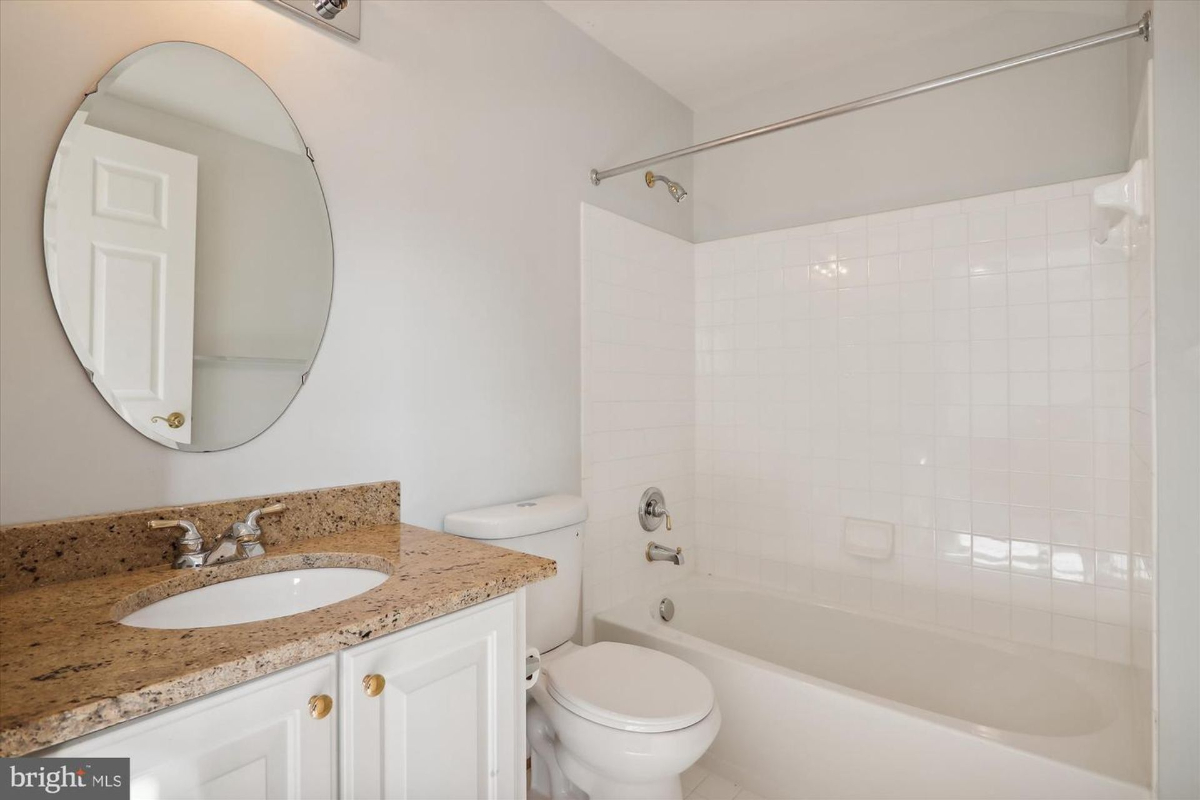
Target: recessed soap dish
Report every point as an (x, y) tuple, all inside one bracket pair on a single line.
[(868, 538)]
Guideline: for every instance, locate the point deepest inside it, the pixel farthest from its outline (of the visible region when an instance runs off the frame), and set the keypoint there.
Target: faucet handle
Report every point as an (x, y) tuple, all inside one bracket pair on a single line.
[(274, 508), (189, 541), (658, 510), (652, 508)]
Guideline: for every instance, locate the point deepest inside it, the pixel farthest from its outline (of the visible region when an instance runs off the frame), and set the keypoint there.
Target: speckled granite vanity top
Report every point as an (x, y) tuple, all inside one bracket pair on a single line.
[(68, 668)]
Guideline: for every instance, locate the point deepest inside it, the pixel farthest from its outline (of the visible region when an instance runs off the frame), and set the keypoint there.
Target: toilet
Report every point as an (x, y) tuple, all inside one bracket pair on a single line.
[(608, 720)]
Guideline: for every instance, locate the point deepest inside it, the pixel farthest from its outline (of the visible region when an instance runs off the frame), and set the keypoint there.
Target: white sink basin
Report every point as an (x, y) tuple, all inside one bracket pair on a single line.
[(258, 597)]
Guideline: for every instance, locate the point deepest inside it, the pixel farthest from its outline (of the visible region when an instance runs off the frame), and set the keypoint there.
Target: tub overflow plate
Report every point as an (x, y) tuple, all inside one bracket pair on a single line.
[(666, 609)]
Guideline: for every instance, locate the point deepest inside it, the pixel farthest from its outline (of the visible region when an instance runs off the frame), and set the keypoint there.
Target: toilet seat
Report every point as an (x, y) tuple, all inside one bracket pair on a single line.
[(629, 688)]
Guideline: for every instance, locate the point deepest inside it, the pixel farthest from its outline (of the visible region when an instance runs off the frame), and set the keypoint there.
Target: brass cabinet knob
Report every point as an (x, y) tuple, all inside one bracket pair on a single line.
[(174, 420), (319, 706), (373, 685)]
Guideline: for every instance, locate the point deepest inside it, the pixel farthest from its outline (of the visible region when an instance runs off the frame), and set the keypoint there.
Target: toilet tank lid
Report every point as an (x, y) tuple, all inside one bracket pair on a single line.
[(523, 518)]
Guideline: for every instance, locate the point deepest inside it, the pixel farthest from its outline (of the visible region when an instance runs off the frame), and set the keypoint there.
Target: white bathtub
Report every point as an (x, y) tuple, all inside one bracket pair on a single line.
[(822, 702)]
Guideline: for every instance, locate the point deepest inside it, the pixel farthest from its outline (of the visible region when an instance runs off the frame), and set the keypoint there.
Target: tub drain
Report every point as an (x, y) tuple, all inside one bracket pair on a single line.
[(666, 609)]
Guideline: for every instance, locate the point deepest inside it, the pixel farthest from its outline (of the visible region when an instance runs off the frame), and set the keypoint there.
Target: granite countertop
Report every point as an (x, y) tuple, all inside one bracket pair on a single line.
[(68, 668)]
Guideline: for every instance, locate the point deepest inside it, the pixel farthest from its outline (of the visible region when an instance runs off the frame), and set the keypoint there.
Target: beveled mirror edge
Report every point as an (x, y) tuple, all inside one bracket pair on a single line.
[(59, 305)]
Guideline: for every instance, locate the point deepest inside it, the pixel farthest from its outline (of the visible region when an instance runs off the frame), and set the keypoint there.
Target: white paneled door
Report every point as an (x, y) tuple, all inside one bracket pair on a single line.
[(129, 223)]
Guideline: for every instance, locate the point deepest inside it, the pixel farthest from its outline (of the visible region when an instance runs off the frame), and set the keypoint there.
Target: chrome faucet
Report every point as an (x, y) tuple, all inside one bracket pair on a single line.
[(190, 542), (658, 552), (239, 541), (242, 537)]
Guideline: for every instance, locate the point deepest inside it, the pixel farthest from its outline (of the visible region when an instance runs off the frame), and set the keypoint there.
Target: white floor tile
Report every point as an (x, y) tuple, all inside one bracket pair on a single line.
[(691, 778), (714, 787)]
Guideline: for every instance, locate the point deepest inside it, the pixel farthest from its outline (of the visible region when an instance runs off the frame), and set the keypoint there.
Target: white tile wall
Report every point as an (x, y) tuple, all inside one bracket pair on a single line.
[(976, 373), (960, 370), (638, 382)]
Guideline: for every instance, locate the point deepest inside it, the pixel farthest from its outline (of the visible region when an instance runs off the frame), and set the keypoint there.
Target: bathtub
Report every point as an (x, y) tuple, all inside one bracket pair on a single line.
[(820, 701)]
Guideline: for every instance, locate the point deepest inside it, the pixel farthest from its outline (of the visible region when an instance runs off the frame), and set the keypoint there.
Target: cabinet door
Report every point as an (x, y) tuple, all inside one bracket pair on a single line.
[(445, 724), (253, 741)]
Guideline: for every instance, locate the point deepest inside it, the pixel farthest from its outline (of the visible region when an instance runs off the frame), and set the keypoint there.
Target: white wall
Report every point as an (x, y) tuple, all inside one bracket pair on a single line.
[(1176, 149), (453, 143), (638, 403), (1040, 124)]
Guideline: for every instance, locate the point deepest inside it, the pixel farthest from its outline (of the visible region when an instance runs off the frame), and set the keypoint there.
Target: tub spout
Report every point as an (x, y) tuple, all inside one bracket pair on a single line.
[(658, 552)]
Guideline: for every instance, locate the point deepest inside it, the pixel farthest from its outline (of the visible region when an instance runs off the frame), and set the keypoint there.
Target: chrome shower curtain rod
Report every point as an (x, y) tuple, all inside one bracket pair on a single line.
[(1140, 28)]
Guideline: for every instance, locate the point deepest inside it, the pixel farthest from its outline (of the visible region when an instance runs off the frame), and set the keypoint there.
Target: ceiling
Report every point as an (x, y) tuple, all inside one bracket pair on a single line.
[(714, 52)]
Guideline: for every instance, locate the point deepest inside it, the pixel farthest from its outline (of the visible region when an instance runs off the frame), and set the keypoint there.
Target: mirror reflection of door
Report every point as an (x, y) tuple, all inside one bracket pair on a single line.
[(188, 247), (127, 219)]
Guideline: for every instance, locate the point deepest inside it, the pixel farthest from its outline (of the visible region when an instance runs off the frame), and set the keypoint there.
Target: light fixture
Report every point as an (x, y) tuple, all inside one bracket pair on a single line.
[(328, 9), (343, 17)]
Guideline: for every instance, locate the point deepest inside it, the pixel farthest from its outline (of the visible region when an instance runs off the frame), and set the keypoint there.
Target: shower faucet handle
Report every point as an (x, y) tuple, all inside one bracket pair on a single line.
[(656, 510), (652, 509)]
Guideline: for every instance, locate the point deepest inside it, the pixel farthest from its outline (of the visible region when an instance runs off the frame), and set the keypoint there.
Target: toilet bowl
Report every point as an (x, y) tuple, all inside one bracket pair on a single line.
[(617, 721), (609, 720)]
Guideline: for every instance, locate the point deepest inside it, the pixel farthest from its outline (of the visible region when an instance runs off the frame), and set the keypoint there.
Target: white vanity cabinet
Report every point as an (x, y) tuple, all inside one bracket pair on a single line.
[(447, 720), (434, 712), (256, 740)]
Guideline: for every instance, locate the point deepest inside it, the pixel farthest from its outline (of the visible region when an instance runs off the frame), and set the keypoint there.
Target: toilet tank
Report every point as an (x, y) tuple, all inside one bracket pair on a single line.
[(550, 527)]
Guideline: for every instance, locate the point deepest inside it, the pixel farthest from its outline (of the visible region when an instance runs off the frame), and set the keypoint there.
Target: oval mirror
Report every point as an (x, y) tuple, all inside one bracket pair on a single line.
[(188, 247)]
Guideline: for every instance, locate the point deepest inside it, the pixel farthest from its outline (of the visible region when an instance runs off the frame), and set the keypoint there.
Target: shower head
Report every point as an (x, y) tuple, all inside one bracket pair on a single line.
[(677, 191)]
